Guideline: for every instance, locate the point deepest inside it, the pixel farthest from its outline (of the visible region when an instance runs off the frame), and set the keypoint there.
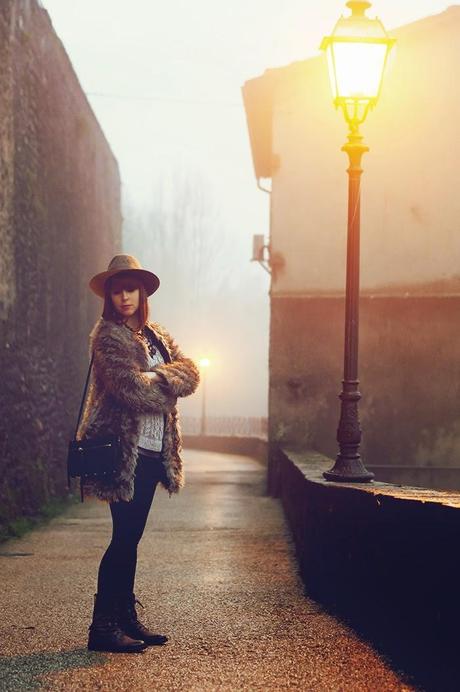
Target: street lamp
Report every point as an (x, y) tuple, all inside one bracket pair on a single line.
[(357, 53), (204, 363)]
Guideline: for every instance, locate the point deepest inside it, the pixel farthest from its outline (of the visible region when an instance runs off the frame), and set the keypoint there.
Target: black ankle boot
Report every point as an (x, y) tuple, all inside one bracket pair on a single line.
[(105, 633), (130, 624)]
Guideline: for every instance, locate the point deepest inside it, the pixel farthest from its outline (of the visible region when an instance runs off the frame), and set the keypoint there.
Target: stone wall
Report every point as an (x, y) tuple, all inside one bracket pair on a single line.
[(409, 372), (60, 222), (381, 557)]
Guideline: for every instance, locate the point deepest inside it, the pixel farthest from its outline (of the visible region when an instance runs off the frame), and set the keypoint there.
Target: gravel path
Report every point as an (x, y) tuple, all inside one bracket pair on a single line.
[(216, 573)]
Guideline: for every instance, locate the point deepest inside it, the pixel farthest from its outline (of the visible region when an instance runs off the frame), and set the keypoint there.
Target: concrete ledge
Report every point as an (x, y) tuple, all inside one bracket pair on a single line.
[(255, 447), (382, 556), (436, 477)]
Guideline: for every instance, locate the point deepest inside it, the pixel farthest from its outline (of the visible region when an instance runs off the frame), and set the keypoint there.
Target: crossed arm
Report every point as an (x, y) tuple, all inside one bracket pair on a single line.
[(124, 380), (144, 392)]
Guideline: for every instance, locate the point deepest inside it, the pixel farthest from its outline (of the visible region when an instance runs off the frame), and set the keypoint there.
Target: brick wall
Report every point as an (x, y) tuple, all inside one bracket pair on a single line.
[(60, 222)]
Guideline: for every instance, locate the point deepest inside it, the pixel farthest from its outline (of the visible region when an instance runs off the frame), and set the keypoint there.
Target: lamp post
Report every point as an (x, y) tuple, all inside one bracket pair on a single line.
[(204, 364), (357, 53)]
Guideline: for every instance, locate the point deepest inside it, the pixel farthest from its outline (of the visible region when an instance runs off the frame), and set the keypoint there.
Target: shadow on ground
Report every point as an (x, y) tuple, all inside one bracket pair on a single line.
[(26, 672), (430, 665)]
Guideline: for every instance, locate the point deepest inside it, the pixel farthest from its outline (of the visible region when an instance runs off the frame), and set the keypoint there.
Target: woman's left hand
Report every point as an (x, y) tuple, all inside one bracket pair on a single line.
[(153, 375)]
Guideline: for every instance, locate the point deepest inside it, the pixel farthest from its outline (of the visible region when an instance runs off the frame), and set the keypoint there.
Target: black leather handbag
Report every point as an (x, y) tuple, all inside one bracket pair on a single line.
[(95, 459)]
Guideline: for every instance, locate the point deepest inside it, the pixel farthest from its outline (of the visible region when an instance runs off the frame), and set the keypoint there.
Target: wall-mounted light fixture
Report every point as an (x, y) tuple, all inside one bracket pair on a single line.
[(262, 253)]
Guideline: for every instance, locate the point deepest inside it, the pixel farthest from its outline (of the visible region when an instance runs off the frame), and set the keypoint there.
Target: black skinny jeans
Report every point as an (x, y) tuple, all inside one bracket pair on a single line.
[(117, 570)]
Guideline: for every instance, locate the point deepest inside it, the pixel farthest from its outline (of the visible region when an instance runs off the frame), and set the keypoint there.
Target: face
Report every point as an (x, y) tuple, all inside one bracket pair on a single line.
[(125, 296)]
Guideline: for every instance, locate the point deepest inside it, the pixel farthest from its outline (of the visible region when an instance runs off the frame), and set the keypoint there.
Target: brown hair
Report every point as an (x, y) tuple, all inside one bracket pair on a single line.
[(109, 312)]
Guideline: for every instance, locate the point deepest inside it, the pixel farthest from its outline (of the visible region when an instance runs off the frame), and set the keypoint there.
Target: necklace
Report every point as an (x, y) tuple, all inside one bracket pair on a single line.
[(139, 332), (144, 336)]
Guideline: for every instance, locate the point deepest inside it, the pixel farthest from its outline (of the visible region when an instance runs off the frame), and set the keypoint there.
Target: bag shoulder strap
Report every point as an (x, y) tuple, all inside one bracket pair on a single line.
[(84, 394)]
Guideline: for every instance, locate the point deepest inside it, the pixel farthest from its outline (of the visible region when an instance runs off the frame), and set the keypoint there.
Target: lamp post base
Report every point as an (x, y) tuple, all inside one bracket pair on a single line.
[(349, 470)]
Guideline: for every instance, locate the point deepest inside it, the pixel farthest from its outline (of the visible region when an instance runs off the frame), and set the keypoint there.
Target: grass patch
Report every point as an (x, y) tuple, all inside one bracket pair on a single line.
[(22, 525)]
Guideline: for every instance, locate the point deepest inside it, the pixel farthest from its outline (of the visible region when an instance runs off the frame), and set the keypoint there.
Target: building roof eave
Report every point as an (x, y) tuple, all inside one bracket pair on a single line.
[(258, 104)]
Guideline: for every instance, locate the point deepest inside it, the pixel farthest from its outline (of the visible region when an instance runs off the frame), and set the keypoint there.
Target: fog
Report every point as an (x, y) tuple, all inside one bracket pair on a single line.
[(164, 82)]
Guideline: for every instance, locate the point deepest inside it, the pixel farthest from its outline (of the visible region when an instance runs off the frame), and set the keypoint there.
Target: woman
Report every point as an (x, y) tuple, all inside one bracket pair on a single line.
[(138, 373)]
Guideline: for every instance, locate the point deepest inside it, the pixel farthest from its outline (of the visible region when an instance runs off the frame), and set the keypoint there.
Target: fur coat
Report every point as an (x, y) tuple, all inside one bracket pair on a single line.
[(120, 393)]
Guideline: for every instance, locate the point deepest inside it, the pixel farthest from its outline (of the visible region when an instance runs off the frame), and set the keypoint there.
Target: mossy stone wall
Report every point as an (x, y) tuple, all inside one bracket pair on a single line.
[(60, 222)]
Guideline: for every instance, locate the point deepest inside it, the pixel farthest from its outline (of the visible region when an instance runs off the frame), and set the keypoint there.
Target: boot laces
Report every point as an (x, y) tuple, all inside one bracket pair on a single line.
[(131, 611)]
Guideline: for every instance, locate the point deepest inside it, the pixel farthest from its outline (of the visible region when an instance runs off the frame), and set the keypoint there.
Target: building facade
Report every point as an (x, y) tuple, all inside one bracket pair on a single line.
[(410, 252)]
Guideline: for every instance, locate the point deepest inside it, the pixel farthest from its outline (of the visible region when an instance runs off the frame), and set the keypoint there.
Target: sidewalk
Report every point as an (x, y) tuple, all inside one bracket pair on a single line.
[(216, 573)]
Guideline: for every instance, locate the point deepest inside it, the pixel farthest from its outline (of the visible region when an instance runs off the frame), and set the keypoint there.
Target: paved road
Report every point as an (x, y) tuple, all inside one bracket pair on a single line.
[(216, 573)]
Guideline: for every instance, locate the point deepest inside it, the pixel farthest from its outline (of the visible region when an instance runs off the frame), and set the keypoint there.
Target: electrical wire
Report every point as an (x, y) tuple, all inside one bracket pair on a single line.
[(134, 97)]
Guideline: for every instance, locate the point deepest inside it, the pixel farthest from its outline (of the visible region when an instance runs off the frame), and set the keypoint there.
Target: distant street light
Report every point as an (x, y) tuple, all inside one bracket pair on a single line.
[(357, 53), (204, 363)]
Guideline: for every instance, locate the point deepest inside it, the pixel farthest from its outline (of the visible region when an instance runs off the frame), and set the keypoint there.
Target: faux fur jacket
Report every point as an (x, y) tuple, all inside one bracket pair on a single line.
[(120, 393)]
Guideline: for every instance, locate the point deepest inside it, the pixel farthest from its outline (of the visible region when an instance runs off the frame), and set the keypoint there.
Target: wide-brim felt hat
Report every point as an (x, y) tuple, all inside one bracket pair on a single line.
[(124, 264)]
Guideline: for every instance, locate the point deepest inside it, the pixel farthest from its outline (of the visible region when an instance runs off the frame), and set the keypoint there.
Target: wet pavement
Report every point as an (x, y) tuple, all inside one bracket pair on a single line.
[(216, 573)]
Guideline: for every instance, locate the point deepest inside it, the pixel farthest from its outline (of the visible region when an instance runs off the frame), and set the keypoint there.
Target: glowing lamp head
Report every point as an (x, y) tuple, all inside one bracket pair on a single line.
[(204, 362), (357, 52)]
